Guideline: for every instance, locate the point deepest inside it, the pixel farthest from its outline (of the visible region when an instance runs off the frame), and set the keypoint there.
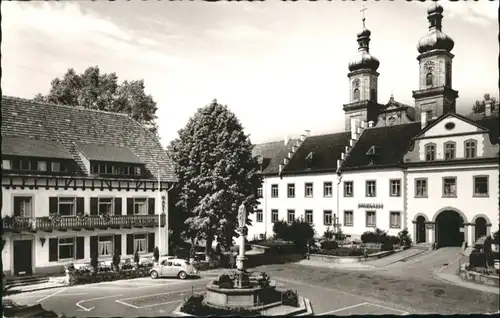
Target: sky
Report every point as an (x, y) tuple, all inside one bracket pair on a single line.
[(281, 67)]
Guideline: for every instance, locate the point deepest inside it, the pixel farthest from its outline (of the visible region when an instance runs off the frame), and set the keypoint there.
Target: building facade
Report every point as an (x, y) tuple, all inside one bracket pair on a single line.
[(380, 169), (78, 182)]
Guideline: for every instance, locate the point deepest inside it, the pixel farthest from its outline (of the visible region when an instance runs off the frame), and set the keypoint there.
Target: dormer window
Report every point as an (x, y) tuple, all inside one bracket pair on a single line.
[(24, 165), (42, 165), (449, 150), (116, 169), (55, 167), (430, 152)]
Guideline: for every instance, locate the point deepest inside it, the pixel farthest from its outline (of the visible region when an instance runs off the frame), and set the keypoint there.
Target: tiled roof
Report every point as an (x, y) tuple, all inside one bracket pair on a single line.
[(69, 125), (42, 148), (318, 153), (108, 153), (392, 142), (272, 154)]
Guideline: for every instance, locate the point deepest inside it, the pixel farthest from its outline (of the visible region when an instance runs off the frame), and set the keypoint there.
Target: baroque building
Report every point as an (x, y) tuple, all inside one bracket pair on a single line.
[(378, 173)]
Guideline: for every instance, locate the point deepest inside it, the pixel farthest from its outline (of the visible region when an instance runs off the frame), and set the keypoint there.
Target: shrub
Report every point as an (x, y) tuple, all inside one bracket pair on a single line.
[(301, 233), (290, 298), (156, 254), (340, 235), (281, 230), (404, 238), (477, 259), (329, 245), (377, 236), (328, 234), (387, 245)]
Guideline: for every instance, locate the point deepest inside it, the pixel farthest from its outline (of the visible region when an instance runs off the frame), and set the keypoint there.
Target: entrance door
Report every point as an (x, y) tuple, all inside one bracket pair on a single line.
[(448, 229), (421, 229), (22, 257), (480, 228)]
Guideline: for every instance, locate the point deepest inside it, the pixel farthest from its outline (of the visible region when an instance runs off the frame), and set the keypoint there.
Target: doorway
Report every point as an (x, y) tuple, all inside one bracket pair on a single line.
[(421, 230), (22, 257), (449, 229), (480, 226)]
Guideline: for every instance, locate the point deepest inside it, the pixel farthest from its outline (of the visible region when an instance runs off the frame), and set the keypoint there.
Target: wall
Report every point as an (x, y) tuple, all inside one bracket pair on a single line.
[(465, 202), (359, 179), (318, 203)]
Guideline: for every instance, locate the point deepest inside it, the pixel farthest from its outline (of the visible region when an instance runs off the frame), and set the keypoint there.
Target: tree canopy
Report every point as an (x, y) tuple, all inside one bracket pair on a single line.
[(94, 90), (216, 174), (479, 106)]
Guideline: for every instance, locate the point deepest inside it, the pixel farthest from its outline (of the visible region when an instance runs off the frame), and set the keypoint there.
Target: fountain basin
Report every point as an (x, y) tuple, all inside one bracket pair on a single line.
[(249, 297)]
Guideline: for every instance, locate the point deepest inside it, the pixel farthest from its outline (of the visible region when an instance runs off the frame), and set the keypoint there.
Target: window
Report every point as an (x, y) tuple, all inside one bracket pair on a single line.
[(105, 245), (308, 216), (274, 191), (137, 171), (260, 215), (448, 74), (290, 216), (105, 206), (355, 94), (421, 188), (430, 152), (449, 150), (371, 188), (308, 190), (66, 248), (42, 165), (395, 220), (371, 220), (55, 166), (22, 206), (449, 186), (140, 243), (327, 189), (428, 79), (25, 165), (327, 217), (274, 216), (291, 190), (6, 164), (481, 186), (67, 206), (140, 206), (259, 192), (348, 218), (348, 188), (395, 190), (470, 149)]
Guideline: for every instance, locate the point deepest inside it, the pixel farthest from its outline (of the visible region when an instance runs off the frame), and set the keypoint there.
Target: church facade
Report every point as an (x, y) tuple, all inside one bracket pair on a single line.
[(378, 172)]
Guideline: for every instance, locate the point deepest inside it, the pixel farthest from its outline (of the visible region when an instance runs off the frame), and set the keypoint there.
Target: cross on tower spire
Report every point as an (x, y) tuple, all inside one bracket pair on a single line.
[(363, 13)]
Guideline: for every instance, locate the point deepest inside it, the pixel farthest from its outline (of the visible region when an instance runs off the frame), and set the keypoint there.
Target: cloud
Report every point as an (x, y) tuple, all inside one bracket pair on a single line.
[(236, 32), (482, 13)]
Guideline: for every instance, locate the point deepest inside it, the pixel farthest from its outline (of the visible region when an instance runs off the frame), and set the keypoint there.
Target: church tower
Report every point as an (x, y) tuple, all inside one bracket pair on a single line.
[(435, 95), (363, 78)]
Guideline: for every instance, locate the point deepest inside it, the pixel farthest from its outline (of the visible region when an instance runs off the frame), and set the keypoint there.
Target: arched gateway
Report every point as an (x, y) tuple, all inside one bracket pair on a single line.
[(449, 228)]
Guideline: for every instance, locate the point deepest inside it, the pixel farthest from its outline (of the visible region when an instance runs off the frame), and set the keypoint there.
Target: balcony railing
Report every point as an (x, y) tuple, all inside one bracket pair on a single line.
[(79, 223)]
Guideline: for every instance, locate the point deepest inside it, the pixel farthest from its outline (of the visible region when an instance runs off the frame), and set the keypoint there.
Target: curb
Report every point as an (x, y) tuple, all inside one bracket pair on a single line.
[(34, 289)]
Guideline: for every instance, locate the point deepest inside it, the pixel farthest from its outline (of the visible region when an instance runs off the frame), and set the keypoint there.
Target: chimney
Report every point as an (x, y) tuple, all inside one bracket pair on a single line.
[(370, 124), (285, 161), (280, 168), (351, 142), (487, 107), (363, 124), (289, 155), (307, 132), (302, 137), (342, 156), (287, 139), (294, 148), (346, 149), (423, 120)]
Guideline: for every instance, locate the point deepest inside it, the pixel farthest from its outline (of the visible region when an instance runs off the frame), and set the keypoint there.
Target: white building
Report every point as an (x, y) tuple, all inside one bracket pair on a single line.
[(77, 182), (381, 160)]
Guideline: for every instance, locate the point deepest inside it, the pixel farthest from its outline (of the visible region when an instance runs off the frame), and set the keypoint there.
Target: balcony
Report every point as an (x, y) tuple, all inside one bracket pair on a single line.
[(18, 224)]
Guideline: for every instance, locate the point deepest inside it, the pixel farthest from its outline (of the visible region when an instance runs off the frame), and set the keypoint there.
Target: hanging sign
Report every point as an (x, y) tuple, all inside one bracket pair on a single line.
[(370, 205)]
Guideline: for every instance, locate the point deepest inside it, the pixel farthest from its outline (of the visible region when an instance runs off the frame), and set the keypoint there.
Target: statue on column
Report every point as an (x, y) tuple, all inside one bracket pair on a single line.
[(242, 216)]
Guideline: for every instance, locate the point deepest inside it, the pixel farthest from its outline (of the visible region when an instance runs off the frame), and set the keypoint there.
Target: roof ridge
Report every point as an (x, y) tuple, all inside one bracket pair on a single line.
[(64, 105)]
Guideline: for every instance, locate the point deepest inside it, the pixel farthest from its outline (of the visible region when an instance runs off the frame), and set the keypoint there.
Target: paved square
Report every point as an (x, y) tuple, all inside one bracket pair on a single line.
[(366, 309), (158, 299)]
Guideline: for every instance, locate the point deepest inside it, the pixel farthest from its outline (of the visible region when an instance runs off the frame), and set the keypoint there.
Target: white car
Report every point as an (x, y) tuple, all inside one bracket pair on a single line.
[(173, 267)]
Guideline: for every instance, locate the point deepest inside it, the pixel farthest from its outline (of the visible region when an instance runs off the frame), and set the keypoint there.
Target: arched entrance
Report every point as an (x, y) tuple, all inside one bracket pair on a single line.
[(449, 229), (420, 230), (480, 228)]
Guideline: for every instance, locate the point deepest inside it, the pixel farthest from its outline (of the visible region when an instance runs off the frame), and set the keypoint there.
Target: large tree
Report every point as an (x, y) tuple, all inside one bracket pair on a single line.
[(94, 90), (216, 173)]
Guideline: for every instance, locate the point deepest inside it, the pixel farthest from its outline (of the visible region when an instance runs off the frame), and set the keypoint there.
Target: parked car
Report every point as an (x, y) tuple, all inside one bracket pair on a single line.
[(173, 268)]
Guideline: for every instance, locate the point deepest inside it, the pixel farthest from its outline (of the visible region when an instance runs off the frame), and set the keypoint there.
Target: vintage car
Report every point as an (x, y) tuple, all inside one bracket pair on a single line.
[(173, 267)]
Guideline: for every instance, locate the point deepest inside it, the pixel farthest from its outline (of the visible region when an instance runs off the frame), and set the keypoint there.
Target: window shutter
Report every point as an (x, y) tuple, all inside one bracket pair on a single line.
[(93, 206), (118, 206), (80, 205), (118, 244), (80, 247), (130, 206), (93, 245), (53, 253), (151, 206), (151, 242), (53, 205), (130, 244)]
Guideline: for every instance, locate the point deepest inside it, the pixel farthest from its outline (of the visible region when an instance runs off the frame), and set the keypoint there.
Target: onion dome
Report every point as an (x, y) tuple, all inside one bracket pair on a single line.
[(364, 60), (435, 39)]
